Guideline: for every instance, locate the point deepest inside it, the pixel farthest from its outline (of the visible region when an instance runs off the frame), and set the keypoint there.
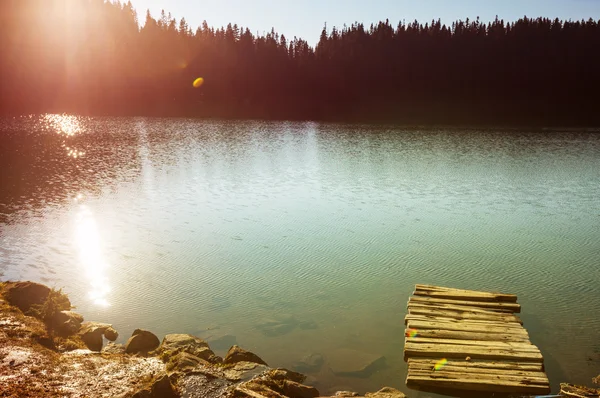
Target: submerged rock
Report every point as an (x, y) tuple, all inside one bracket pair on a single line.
[(353, 363), (386, 392), (141, 341), (24, 295), (175, 343), (310, 363), (91, 333), (306, 325), (237, 354), (221, 341), (277, 327)]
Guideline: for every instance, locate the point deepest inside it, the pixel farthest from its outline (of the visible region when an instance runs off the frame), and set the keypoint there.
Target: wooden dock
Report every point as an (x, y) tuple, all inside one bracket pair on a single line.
[(468, 340)]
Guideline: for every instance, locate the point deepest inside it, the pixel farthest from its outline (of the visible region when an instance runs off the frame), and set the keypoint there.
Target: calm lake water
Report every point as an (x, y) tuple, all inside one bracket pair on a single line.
[(300, 238)]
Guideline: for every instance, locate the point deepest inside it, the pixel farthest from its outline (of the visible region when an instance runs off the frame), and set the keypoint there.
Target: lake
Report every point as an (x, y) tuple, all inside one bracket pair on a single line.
[(294, 239)]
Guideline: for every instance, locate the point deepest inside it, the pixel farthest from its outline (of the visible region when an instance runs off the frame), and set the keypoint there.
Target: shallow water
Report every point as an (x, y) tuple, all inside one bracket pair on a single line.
[(216, 228)]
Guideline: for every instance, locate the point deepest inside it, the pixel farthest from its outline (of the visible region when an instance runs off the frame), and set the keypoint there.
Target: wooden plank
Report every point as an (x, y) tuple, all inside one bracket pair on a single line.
[(512, 307), (450, 375), (460, 314), (457, 351), (469, 296), (499, 344), (417, 382), (490, 372), (453, 307), (479, 364), (462, 335), (436, 318), (466, 327), (497, 296)]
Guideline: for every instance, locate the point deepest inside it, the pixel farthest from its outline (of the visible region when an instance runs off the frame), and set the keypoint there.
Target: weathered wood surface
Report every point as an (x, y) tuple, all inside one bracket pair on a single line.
[(475, 352), (493, 385), (470, 295), (464, 314), (479, 364), (461, 335), (498, 306), (483, 345)]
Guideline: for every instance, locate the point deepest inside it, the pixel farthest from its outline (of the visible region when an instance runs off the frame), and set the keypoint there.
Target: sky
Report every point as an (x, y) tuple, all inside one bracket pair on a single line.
[(306, 18)]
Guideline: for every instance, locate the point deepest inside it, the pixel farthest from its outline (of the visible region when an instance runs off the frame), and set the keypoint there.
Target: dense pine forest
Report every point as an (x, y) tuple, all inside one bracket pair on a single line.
[(100, 58)]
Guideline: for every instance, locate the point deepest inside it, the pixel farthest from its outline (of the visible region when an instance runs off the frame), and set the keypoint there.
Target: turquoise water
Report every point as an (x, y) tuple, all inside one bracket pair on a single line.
[(229, 227)]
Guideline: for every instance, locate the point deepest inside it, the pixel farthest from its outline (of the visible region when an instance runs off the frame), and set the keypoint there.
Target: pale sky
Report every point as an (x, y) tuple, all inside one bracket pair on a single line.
[(306, 18)]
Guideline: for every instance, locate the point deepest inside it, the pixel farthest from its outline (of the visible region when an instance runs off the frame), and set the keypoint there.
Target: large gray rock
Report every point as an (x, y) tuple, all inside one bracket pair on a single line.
[(91, 333), (175, 343), (346, 362), (310, 363), (141, 341), (237, 354)]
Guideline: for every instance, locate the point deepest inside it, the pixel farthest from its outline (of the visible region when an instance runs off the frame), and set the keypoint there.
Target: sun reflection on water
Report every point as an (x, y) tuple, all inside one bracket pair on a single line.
[(67, 126), (90, 255)]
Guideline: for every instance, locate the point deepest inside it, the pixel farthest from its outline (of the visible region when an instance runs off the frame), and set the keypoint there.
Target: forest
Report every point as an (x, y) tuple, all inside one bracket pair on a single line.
[(97, 57)]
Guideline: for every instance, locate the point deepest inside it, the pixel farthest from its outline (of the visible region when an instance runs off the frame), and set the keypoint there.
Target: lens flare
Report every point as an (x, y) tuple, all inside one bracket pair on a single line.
[(440, 364), (411, 333), (198, 82)]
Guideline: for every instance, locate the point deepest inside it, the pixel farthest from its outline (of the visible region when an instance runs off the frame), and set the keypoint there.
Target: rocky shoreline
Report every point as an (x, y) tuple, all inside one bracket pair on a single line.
[(47, 350)]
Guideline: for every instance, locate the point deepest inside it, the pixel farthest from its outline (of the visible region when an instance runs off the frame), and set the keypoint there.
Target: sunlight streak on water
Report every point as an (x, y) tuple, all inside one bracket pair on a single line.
[(90, 256)]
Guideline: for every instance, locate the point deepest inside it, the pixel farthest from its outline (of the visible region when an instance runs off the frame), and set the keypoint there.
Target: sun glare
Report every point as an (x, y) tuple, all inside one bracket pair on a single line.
[(90, 255)]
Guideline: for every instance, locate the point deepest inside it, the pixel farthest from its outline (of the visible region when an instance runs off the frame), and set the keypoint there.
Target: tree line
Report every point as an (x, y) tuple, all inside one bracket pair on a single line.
[(95, 57)]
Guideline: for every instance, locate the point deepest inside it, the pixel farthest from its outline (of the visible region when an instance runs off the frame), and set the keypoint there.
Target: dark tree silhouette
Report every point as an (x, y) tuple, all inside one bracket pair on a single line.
[(91, 57)]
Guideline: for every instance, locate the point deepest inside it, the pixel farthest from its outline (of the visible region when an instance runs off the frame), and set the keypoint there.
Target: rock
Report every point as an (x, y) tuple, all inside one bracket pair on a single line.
[(237, 354), (309, 364), (221, 342), (26, 294), (141, 341), (346, 394), (353, 363), (145, 393), (284, 374), (162, 388), (67, 322), (244, 371), (278, 327), (184, 361), (305, 325), (111, 334), (297, 390), (196, 385), (91, 333), (175, 343), (386, 392), (256, 389), (112, 348)]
